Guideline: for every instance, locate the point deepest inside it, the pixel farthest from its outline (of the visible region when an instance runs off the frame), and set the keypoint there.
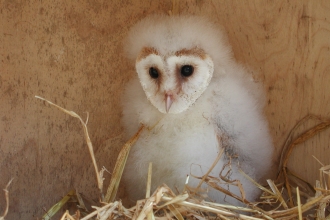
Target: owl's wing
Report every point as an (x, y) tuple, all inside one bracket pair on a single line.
[(239, 120)]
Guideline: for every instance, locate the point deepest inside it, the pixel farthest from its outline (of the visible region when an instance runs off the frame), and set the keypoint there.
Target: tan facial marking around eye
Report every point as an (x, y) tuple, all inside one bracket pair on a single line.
[(194, 52), (146, 51)]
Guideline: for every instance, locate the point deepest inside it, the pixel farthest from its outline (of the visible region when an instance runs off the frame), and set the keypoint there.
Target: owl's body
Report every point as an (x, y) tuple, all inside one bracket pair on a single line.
[(194, 100)]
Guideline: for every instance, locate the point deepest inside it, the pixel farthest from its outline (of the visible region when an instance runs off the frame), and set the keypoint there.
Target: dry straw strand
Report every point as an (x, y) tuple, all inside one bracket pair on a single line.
[(80, 201), (305, 136), (55, 208), (98, 210), (149, 180), (299, 204), (119, 167), (88, 140), (67, 216), (5, 212), (288, 148), (290, 137), (175, 212), (150, 215), (277, 193), (210, 169), (185, 206)]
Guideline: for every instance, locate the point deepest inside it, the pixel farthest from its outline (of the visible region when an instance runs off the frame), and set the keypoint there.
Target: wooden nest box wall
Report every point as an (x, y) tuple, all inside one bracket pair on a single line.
[(71, 53)]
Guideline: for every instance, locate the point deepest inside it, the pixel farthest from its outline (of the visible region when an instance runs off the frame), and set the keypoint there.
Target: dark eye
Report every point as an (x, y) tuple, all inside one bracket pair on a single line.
[(153, 72), (187, 70)]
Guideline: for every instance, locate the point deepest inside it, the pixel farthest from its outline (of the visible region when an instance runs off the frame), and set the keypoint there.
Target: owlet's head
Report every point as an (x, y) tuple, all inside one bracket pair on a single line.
[(174, 60)]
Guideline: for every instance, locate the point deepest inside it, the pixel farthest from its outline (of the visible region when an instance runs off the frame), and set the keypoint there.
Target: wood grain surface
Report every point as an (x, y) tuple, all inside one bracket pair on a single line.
[(70, 52)]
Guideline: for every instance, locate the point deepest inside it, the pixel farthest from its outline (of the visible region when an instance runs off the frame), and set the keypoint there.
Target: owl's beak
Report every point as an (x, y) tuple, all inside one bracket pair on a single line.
[(168, 102)]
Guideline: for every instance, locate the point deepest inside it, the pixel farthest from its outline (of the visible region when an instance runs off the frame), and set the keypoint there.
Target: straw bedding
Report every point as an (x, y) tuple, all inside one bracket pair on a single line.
[(286, 197)]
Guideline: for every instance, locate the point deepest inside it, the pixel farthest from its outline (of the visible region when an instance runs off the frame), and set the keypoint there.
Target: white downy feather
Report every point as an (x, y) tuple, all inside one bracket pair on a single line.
[(230, 107)]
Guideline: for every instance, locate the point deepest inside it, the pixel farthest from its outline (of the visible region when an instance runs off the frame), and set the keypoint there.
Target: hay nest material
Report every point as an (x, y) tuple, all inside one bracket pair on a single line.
[(287, 197)]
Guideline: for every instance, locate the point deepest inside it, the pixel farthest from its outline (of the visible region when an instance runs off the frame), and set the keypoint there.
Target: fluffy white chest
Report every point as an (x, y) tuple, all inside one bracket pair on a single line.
[(177, 144)]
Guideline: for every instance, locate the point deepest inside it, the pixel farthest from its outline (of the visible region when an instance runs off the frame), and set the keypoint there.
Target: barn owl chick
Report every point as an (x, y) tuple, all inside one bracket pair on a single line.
[(195, 100)]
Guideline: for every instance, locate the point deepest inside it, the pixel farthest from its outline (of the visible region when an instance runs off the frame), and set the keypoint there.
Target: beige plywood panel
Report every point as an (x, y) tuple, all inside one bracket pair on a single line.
[(71, 53)]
